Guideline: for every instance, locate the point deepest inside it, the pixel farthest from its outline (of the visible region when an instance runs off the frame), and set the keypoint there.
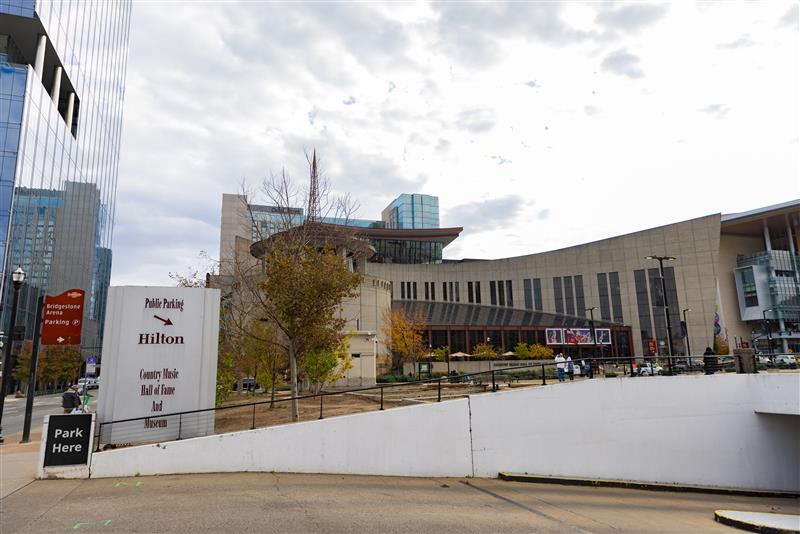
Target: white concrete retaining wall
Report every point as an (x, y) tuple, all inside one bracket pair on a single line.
[(699, 430), (410, 441)]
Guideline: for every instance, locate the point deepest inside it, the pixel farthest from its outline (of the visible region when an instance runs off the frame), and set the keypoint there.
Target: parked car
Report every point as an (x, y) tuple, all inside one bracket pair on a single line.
[(647, 369), (248, 384), (785, 359), (764, 359), (88, 383)]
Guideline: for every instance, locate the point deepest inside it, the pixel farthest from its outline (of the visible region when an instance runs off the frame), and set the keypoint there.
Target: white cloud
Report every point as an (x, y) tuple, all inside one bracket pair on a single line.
[(623, 63), (443, 96)]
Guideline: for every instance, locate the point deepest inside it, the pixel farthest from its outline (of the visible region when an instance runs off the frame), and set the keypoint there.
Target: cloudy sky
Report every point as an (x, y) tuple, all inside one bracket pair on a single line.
[(538, 125)]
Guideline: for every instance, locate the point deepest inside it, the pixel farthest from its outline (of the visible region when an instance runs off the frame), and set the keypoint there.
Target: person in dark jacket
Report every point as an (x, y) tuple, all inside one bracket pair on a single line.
[(70, 399), (709, 361)]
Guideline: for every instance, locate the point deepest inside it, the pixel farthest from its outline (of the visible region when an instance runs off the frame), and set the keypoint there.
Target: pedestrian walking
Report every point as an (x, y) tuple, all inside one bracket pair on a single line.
[(570, 368), (70, 400), (560, 365), (709, 361)]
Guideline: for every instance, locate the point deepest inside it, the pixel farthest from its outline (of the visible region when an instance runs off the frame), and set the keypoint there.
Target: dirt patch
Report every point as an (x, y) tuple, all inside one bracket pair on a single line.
[(261, 415)]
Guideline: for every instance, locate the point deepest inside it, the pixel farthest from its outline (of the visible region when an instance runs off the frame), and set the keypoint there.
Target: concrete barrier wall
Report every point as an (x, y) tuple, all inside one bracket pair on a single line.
[(700, 430), (424, 440)]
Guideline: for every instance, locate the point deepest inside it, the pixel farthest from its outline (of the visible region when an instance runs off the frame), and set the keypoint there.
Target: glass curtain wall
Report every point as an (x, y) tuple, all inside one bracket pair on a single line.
[(62, 201)]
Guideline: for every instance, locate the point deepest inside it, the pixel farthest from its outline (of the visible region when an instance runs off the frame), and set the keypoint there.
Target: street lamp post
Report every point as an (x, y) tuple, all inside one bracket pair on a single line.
[(769, 330), (688, 350), (594, 338), (17, 277), (661, 260)]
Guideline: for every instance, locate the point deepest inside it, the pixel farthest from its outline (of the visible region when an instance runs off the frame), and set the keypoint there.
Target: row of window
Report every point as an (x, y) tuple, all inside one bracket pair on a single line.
[(568, 294), (501, 293), (474, 292), (608, 285)]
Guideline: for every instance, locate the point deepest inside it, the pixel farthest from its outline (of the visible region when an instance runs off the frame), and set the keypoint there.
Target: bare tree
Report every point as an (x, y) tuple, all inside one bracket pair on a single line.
[(304, 270)]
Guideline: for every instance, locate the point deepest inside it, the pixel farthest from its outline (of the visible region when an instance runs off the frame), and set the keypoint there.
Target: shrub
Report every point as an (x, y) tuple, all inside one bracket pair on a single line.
[(388, 378)]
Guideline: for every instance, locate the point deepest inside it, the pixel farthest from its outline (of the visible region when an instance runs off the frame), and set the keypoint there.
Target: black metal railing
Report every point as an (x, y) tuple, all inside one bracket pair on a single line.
[(192, 423)]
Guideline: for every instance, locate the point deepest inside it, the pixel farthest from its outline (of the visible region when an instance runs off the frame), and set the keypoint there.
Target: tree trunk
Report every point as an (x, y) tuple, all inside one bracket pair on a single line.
[(273, 380), (293, 370)]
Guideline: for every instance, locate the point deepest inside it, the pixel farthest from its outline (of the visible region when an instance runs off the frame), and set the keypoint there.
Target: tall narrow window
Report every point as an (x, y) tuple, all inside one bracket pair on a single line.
[(569, 297), (537, 294), (450, 289), (402, 290), (427, 292), (643, 305), (444, 291), (749, 287), (616, 297), (477, 292), (602, 292), (458, 293), (558, 294), (415, 291), (433, 291), (469, 292), (580, 301), (493, 293), (526, 289), (510, 294), (501, 293)]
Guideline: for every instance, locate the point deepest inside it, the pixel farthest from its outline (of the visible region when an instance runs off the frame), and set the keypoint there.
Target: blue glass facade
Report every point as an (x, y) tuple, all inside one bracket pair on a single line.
[(412, 211), (61, 100)]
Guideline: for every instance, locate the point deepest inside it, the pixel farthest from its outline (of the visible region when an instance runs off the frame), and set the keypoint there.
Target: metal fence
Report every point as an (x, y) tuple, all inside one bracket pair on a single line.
[(268, 412)]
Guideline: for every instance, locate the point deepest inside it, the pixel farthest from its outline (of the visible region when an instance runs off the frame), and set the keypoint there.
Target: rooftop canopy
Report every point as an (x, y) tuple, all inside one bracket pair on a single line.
[(454, 314)]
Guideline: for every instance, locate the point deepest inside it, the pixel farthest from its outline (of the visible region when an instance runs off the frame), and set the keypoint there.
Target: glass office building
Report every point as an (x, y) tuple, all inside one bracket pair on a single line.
[(62, 84), (412, 211)]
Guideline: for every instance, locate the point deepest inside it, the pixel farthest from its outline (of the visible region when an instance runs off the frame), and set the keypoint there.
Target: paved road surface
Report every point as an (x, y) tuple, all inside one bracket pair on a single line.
[(14, 411), (268, 502)]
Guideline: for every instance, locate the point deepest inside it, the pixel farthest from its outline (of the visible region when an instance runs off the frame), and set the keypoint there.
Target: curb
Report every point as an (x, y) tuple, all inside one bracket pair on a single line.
[(721, 517), (648, 486)]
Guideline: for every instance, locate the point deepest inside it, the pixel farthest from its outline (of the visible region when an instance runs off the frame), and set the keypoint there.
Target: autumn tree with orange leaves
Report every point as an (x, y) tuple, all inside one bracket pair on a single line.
[(404, 335)]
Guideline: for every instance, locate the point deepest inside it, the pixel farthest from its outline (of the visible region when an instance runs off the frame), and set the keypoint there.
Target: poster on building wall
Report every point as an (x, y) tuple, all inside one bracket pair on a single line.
[(555, 336), (583, 336), (603, 336)]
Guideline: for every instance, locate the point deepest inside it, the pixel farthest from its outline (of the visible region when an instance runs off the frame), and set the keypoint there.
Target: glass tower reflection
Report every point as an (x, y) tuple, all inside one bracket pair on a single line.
[(62, 83)]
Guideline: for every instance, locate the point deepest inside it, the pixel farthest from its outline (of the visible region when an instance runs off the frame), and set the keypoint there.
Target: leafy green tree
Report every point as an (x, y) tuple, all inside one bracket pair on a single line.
[(522, 351), (484, 351), (320, 367), (440, 354), (537, 350)]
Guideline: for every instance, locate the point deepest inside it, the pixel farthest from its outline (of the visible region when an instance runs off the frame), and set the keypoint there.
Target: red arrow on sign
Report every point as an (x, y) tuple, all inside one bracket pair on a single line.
[(166, 322)]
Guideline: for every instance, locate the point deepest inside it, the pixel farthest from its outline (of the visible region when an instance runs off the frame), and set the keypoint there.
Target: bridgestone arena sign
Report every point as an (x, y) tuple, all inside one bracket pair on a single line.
[(159, 359)]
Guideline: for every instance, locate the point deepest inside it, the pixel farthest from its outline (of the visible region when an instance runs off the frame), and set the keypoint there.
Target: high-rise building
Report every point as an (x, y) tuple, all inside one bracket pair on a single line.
[(62, 86), (412, 211)]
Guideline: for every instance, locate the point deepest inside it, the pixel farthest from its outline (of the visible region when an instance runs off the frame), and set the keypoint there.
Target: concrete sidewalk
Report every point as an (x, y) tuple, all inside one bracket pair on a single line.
[(18, 462), (272, 502)]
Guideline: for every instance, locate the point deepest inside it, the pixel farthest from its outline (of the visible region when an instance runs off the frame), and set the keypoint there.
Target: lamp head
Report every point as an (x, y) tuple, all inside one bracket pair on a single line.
[(18, 276)]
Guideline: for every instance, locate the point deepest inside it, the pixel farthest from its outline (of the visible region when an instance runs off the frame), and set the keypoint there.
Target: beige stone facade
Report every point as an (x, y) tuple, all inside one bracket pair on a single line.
[(611, 275), (694, 243)]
